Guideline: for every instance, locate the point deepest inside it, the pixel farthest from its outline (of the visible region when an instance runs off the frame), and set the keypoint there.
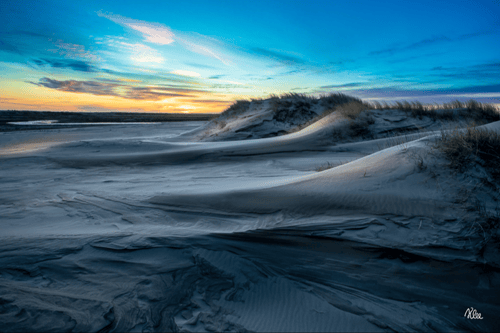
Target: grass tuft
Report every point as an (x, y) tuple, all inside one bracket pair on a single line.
[(236, 108), (480, 112), (335, 99), (465, 148), (359, 122), (329, 165), (352, 109), (472, 110)]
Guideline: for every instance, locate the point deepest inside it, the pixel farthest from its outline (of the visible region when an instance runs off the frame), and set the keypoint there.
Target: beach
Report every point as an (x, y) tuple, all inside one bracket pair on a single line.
[(164, 227)]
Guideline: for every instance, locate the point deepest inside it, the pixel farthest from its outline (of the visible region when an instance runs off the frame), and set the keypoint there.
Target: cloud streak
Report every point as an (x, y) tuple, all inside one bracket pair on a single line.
[(71, 50), (419, 44), (346, 85), (76, 65), (478, 72), (9, 47), (182, 72), (151, 93), (488, 93), (426, 42), (278, 56), (153, 33), (160, 34)]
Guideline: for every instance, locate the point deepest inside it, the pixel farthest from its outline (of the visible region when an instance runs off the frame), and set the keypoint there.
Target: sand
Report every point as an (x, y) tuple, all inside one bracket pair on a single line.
[(161, 227)]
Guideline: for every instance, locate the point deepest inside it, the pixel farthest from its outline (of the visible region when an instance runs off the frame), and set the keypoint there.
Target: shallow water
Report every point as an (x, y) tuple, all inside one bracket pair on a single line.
[(56, 123), (129, 228)]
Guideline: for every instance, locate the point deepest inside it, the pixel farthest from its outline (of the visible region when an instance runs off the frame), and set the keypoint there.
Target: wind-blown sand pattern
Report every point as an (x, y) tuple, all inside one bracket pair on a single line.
[(159, 227)]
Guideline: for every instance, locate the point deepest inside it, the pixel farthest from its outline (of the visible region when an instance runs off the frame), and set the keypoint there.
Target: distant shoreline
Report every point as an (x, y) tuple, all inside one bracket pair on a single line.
[(91, 117)]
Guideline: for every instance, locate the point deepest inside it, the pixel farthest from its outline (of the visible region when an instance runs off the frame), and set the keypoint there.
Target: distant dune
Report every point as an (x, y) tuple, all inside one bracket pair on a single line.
[(287, 214), (7, 117)]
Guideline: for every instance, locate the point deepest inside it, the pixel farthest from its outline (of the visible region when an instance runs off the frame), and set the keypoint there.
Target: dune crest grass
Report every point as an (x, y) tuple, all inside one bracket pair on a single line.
[(235, 109), (287, 100), (352, 110), (466, 147), (473, 110), (465, 150)]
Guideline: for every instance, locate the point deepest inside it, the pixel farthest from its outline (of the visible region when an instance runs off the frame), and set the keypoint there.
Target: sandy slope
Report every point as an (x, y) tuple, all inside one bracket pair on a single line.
[(137, 228)]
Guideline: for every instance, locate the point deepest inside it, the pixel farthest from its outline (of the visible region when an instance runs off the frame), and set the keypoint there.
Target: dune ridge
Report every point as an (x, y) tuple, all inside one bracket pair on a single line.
[(167, 227)]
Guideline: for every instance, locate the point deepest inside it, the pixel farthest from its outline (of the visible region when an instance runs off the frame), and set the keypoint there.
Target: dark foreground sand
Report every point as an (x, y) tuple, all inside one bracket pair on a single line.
[(139, 228)]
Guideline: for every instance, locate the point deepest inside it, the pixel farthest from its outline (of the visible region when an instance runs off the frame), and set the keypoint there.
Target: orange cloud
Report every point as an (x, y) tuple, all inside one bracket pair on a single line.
[(75, 95)]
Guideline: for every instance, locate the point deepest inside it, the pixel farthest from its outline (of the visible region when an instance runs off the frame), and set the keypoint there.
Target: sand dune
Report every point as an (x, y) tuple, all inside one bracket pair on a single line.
[(165, 228)]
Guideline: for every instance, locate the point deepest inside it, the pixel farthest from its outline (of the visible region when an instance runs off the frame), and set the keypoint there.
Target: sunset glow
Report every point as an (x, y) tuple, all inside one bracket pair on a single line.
[(199, 57)]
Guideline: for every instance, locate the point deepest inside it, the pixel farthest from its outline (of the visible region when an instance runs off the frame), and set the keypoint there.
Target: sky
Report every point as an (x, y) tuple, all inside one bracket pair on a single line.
[(200, 56)]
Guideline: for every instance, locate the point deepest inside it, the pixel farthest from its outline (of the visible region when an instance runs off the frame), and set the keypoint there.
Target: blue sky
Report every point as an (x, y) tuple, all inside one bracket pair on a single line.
[(199, 56)]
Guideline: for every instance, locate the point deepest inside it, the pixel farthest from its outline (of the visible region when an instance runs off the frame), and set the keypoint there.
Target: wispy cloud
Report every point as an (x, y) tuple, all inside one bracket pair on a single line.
[(76, 65), (419, 44), (142, 53), (71, 50), (478, 72), (4, 46), (155, 76), (192, 64), (211, 101), (426, 42), (161, 34), (20, 42), (91, 87), (152, 93), (346, 85), (485, 93), (200, 48), (117, 80), (185, 73), (279, 56), (28, 33), (153, 32)]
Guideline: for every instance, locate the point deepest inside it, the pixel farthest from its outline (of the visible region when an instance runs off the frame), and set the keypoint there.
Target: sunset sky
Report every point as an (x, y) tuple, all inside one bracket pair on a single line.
[(199, 56)]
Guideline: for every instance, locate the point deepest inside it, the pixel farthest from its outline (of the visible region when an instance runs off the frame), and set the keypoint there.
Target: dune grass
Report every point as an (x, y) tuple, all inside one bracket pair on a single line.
[(402, 139), (465, 148), (454, 110), (329, 165), (472, 110), (335, 99), (235, 109), (292, 96), (280, 102), (293, 107), (359, 118), (352, 109)]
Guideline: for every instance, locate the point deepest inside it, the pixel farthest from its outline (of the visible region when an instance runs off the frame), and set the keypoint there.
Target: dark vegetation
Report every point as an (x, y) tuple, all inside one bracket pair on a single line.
[(236, 108), (465, 149), (329, 165), (333, 102), (297, 102), (92, 117), (285, 110), (293, 108), (359, 120), (472, 110)]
